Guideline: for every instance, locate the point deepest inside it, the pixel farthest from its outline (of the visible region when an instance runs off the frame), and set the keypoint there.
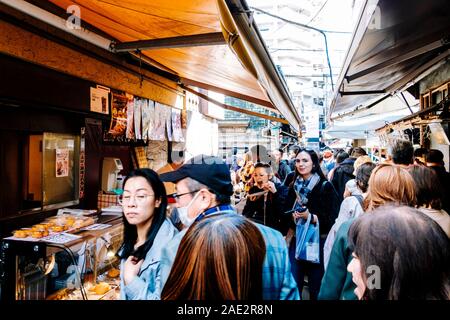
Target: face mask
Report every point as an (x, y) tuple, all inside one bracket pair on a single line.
[(183, 213)]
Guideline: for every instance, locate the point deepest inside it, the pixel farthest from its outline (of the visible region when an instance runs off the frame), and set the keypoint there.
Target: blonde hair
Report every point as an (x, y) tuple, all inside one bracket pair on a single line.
[(390, 184), (359, 161)]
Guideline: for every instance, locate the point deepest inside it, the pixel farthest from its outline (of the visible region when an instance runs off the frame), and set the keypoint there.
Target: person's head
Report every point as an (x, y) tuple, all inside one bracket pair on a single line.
[(341, 157), (363, 174), (428, 187), (359, 161), (327, 154), (434, 157), (358, 152), (220, 258), (202, 182), (278, 155), (307, 163), (402, 152), (390, 184), (144, 204), (293, 151), (399, 253), (419, 155), (262, 174)]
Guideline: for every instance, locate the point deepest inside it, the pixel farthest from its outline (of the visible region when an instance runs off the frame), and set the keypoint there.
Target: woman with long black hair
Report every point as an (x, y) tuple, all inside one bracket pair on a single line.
[(146, 232), (310, 194)]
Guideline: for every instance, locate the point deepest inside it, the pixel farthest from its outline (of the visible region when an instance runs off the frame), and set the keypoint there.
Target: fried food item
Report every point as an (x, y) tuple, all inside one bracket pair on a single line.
[(37, 234), (57, 228), (20, 234), (83, 222), (100, 288), (70, 221), (113, 273), (39, 227), (48, 225)]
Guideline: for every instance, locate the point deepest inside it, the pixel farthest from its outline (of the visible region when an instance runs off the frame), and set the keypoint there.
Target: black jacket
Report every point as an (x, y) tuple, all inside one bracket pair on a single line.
[(444, 179), (274, 206), (283, 170), (342, 174), (323, 201)]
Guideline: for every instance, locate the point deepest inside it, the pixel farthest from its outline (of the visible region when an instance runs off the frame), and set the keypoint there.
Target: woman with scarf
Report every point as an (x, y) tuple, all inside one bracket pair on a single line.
[(310, 194)]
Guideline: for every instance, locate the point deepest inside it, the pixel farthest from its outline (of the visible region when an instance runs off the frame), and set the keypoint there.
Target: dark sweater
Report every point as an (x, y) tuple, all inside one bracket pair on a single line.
[(274, 205), (323, 201), (444, 180), (342, 174)]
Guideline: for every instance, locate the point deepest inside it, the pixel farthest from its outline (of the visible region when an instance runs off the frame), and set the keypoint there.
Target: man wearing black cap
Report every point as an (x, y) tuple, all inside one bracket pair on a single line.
[(204, 187)]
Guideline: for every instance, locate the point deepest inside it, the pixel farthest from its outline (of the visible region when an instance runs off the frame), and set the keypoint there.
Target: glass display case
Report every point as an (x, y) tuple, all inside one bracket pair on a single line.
[(80, 265)]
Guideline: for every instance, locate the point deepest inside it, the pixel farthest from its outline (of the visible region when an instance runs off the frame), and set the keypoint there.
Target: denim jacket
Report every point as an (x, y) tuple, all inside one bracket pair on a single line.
[(147, 285)]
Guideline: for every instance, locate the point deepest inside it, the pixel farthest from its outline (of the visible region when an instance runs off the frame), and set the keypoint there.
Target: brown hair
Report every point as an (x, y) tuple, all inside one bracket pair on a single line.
[(265, 166), (410, 250), (219, 258), (428, 187), (390, 184)]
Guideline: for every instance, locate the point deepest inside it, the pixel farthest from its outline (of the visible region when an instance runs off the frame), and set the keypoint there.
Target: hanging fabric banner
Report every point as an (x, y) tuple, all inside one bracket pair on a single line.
[(177, 132), (159, 130), (148, 112), (130, 118), (118, 115), (138, 118)]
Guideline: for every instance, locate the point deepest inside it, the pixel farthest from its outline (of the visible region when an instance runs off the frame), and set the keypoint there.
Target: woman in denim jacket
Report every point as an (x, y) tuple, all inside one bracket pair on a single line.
[(146, 232)]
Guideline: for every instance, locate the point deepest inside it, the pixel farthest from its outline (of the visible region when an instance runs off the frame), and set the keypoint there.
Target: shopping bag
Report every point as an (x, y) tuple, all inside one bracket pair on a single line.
[(308, 240)]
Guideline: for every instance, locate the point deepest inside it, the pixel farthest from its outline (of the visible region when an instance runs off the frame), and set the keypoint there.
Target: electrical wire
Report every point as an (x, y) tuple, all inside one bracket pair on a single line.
[(322, 32), (317, 13)]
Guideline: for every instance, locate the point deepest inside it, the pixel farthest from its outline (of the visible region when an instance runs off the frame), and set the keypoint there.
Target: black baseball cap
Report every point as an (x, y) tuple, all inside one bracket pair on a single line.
[(208, 170)]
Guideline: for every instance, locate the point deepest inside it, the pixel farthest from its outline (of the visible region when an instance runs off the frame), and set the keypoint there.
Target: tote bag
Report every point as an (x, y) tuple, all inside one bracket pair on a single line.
[(308, 240)]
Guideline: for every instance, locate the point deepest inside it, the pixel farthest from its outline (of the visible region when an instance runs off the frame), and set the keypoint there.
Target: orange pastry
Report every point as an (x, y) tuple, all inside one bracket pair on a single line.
[(57, 228), (37, 234), (100, 288), (38, 227), (113, 273), (20, 234), (69, 222)]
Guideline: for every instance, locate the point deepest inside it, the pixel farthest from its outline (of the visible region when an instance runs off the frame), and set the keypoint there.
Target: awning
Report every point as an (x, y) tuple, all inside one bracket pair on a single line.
[(245, 72), (362, 124), (394, 43)]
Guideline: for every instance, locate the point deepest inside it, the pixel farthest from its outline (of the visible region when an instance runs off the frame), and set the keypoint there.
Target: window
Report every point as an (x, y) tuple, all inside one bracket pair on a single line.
[(318, 84)]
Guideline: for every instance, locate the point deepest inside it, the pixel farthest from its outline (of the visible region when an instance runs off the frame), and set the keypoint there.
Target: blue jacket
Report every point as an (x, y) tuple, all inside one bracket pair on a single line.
[(278, 282), (147, 285)]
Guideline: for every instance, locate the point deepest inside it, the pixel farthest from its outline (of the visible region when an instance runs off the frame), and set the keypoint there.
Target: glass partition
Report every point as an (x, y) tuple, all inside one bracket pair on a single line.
[(60, 170)]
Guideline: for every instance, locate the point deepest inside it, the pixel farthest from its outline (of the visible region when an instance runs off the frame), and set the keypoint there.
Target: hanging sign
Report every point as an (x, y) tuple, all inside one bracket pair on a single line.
[(100, 100)]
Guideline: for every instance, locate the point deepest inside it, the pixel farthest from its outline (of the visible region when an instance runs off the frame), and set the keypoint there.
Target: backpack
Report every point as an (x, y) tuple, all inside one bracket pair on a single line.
[(360, 199)]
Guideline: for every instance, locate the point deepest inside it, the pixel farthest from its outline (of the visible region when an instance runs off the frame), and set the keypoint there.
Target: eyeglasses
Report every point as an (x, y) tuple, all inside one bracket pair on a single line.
[(178, 196), (138, 198)]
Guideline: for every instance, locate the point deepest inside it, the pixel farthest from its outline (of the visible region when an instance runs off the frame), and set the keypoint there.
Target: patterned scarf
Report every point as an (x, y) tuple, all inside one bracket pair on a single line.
[(303, 188)]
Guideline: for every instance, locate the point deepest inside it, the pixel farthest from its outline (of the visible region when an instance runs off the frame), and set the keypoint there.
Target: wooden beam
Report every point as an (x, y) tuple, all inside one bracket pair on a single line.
[(263, 103), (196, 40), (231, 108), (72, 60)]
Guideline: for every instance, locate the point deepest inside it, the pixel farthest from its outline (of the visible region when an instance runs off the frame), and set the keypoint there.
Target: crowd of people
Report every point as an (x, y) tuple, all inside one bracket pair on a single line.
[(334, 222)]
